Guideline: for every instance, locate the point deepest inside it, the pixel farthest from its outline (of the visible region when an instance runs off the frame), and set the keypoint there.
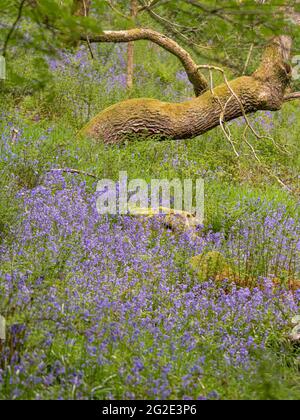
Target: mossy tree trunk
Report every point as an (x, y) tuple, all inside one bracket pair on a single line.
[(263, 90)]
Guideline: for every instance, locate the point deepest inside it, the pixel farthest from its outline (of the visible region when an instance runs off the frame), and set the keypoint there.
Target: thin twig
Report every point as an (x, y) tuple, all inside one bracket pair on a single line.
[(248, 58), (148, 6), (173, 26), (12, 29), (248, 124), (269, 171), (291, 96), (114, 9), (73, 171), (222, 122), (87, 37)]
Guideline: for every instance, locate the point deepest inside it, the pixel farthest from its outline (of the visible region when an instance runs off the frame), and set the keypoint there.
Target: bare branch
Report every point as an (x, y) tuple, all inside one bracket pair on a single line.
[(113, 8), (176, 31), (86, 9), (148, 6), (224, 128), (246, 119), (248, 58), (12, 29), (73, 171), (210, 11), (291, 96)]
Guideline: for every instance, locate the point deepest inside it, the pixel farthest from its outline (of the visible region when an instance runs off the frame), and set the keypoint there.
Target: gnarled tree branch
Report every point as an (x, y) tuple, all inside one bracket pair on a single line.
[(264, 90), (195, 77)]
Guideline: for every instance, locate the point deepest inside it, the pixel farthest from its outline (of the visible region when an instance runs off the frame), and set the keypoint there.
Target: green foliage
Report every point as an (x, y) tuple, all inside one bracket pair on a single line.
[(215, 31)]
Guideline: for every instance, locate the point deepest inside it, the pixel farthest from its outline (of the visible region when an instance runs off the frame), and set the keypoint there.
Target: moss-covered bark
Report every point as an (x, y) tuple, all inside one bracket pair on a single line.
[(264, 90)]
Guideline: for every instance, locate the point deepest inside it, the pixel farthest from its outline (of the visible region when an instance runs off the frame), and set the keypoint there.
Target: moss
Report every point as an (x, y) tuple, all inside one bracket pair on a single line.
[(187, 119), (173, 111), (212, 265)]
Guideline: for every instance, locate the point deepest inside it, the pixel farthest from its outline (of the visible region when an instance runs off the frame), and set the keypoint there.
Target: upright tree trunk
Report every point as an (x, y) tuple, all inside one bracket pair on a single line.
[(130, 49), (81, 7), (264, 90)]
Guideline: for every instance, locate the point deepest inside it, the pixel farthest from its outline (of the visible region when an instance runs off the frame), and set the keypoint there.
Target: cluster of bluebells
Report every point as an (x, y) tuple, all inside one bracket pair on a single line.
[(80, 66), (266, 242), (263, 121), (106, 307), (83, 84)]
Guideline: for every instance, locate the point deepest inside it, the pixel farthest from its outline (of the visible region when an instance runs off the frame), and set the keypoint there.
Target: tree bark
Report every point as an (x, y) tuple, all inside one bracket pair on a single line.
[(195, 77), (264, 90), (130, 49)]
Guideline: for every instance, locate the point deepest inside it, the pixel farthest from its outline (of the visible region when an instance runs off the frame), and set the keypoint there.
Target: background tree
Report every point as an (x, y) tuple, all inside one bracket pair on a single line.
[(81, 7), (130, 48)]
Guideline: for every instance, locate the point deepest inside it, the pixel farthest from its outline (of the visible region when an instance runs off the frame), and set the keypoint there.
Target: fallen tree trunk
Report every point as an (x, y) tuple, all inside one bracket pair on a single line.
[(264, 90)]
